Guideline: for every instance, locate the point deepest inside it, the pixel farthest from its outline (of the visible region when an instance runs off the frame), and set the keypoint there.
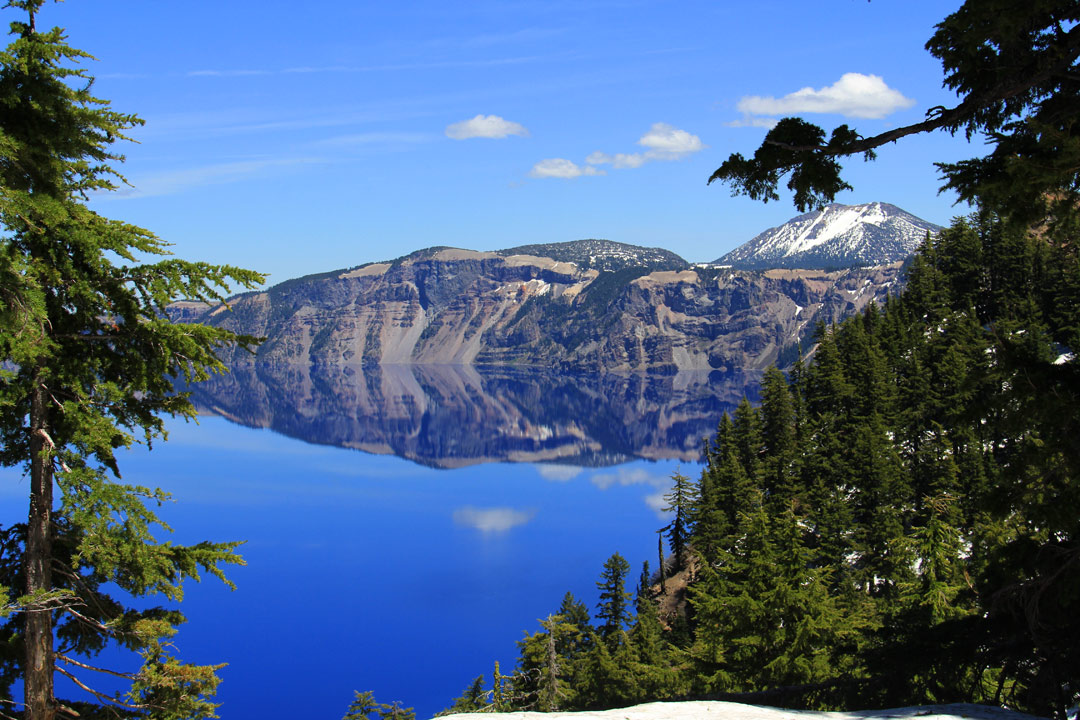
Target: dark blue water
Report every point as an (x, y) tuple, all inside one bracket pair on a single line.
[(375, 572)]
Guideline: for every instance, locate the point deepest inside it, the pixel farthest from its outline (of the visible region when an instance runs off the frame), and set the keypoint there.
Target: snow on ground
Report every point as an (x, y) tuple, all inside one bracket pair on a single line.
[(710, 710)]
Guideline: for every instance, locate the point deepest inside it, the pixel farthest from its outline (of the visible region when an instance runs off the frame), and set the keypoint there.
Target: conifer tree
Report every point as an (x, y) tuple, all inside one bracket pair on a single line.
[(473, 699), (87, 358), (681, 501), (778, 430), (365, 707), (612, 610), (646, 633)]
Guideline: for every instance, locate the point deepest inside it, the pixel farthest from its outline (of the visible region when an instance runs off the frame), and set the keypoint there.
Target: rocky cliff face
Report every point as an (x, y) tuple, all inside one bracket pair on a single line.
[(449, 306)]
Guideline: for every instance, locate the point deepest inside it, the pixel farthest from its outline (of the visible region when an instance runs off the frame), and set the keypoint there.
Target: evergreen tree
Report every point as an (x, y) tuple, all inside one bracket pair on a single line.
[(87, 358), (778, 431), (612, 609), (575, 614), (681, 501), (764, 615), (647, 633), (365, 707), (473, 699)]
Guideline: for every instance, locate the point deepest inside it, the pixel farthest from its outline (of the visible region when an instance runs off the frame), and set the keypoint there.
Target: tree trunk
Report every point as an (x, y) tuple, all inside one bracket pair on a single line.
[(38, 679)]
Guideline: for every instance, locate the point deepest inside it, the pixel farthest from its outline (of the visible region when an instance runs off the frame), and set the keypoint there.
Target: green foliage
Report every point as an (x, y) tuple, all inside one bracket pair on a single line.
[(894, 525), (814, 178), (613, 609), (365, 707), (473, 699), (89, 360), (681, 501), (1014, 67)]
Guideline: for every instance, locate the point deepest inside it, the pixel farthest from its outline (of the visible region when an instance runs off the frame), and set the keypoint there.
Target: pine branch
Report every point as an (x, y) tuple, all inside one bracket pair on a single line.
[(952, 118), (76, 663), (98, 695)]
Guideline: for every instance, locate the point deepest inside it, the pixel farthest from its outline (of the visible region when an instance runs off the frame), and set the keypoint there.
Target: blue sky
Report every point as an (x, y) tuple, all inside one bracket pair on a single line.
[(295, 138)]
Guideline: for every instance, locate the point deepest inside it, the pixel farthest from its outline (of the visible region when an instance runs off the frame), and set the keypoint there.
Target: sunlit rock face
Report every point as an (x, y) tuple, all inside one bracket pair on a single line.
[(460, 307)]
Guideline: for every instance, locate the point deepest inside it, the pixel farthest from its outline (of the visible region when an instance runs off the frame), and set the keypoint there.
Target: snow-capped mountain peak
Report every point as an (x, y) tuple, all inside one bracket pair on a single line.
[(836, 236)]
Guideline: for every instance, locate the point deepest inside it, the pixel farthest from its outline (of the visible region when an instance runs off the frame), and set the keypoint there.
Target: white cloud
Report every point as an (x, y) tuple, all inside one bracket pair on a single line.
[(750, 121), (669, 143), (664, 142), (853, 95), (558, 473), (491, 520), (561, 168), (619, 160), (485, 126)]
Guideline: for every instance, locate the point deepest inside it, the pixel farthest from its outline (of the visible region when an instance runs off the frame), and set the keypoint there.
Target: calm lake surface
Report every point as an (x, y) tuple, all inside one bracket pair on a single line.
[(405, 526)]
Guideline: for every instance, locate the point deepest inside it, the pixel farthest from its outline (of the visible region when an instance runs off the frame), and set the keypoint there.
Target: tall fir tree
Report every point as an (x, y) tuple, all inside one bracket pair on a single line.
[(613, 609), (681, 501), (87, 358)]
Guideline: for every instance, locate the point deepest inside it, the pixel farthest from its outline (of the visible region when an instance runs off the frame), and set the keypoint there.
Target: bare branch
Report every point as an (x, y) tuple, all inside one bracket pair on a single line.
[(95, 693), (49, 441), (76, 663)]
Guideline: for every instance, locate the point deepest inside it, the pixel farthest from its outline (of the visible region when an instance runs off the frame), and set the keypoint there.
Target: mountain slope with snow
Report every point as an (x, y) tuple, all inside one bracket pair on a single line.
[(836, 236)]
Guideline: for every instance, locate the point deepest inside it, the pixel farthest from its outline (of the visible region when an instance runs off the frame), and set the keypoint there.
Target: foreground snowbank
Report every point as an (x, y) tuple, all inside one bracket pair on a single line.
[(708, 710)]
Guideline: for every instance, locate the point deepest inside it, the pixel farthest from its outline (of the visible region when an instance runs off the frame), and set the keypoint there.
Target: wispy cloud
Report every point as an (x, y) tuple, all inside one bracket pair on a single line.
[(562, 168), (368, 139), (750, 121), (388, 67), (664, 142), (492, 520), (227, 73), (124, 76), (619, 160), (853, 95), (171, 183), (485, 126), (512, 37)]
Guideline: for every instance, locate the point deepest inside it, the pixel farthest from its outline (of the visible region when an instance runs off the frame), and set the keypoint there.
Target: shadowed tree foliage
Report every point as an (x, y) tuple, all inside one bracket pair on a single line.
[(1015, 69), (613, 610), (895, 524), (87, 359)]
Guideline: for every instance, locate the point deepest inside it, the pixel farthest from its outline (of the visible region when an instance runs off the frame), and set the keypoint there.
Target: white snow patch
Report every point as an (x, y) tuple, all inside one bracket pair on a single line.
[(715, 710), (1064, 358)]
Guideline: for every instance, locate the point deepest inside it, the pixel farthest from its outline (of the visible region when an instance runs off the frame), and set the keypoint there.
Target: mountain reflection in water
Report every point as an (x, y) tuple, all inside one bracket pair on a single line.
[(452, 415)]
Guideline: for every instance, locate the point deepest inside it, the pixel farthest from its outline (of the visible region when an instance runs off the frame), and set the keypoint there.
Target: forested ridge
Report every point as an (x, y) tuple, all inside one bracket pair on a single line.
[(894, 524)]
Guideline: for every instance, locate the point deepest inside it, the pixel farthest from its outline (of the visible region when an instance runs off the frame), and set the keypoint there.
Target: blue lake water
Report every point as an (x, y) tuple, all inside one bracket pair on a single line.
[(394, 574)]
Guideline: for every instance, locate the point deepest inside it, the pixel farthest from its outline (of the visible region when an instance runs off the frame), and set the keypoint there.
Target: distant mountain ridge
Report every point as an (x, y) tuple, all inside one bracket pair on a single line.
[(463, 307), (587, 305), (837, 236), (603, 255)]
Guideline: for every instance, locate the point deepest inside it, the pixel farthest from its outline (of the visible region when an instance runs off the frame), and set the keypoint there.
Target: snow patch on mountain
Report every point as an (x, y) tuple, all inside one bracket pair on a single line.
[(836, 236)]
